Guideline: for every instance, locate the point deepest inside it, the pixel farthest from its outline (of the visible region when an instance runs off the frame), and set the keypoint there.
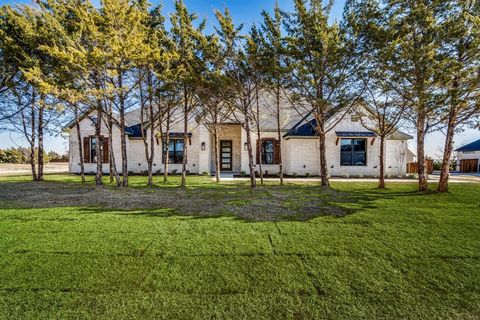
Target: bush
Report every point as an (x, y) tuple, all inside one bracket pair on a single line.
[(307, 174), (243, 173), (412, 176), (294, 175), (205, 174), (12, 155)]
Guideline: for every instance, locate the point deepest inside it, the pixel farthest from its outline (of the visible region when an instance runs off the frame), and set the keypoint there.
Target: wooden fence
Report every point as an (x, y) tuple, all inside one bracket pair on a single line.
[(412, 167)]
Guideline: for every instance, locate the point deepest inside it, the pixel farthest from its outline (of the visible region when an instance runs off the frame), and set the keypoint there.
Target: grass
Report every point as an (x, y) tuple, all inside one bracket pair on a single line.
[(351, 253)]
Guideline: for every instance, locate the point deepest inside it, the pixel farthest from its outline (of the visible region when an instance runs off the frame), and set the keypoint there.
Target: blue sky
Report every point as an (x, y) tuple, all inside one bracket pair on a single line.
[(246, 12)]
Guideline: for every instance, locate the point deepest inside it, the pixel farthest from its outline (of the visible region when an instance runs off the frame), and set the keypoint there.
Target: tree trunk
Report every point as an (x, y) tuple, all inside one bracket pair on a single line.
[(152, 126), (217, 154), (447, 153), (381, 178), (98, 132), (422, 177), (80, 145), (32, 140), (279, 135), (323, 151), (260, 170), (123, 138), (166, 148), (253, 182), (185, 137), (40, 138), (113, 165)]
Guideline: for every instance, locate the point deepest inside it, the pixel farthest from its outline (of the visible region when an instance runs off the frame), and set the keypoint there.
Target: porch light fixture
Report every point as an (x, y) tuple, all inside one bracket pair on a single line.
[(245, 145), (203, 146)]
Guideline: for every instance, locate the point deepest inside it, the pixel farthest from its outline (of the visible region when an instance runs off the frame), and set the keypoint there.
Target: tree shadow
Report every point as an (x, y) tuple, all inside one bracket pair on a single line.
[(291, 202)]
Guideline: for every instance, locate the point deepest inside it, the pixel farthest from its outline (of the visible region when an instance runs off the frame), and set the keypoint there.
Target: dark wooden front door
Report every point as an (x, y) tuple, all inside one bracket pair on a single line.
[(469, 165), (226, 155)]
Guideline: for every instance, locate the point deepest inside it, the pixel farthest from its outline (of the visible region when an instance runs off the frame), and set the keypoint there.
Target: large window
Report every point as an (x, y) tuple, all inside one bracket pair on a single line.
[(268, 151), (353, 152), (175, 150)]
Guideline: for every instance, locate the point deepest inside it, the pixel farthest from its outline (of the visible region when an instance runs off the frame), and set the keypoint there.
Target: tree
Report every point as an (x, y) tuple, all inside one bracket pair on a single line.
[(275, 69), (125, 44), (384, 107), (243, 79), (414, 66), (254, 49), (151, 74), (188, 41), (460, 49), (215, 94), (26, 31), (322, 68)]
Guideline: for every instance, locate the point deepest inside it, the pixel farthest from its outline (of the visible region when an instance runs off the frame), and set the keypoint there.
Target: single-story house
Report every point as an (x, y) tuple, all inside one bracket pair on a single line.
[(352, 150), (468, 157)]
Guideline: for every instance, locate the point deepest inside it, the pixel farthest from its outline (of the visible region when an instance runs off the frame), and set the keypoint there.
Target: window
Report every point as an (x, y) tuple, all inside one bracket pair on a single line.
[(268, 151), (93, 149), (353, 152), (175, 150), (90, 149)]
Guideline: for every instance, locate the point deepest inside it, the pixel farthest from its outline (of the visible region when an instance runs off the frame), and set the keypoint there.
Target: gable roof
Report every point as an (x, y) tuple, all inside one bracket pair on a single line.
[(474, 146)]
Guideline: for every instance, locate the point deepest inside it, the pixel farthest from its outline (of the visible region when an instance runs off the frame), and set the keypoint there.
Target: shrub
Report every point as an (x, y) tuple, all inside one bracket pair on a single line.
[(205, 174), (307, 174), (294, 175), (412, 176), (243, 173)]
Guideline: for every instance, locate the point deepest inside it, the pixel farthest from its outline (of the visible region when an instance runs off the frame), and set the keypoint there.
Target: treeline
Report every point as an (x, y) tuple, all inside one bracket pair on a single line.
[(406, 61), (22, 155)]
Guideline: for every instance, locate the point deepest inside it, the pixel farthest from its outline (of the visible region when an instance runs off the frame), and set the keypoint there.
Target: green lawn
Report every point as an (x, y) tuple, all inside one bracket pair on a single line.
[(223, 252)]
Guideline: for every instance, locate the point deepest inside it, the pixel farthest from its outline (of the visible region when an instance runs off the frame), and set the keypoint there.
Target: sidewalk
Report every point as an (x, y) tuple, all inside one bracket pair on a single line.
[(431, 178)]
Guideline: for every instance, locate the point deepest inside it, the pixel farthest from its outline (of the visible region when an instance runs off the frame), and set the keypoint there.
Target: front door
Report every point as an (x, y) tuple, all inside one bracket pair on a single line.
[(226, 155)]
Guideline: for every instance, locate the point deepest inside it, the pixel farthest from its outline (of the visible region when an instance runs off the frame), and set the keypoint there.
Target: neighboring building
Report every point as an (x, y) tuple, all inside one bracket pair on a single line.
[(351, 149), (468, 157)]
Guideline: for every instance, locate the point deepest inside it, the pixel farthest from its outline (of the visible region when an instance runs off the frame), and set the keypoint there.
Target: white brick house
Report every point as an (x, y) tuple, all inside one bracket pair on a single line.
[(351, 149)]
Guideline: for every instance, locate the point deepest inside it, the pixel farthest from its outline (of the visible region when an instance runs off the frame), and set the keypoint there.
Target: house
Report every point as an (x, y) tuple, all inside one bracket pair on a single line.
[(468, 157), (352, 150)]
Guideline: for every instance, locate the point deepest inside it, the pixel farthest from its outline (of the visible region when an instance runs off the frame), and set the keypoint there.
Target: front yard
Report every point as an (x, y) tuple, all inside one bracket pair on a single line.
[(223, 252)]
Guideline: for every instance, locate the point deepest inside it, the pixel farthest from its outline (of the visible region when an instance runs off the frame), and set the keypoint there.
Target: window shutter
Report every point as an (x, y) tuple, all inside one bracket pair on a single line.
[(257, 159), (276, 152), (86, 149), (105, 150)]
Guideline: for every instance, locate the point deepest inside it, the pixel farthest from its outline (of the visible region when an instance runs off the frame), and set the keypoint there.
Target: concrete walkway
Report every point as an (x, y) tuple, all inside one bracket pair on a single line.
[(454, 178)]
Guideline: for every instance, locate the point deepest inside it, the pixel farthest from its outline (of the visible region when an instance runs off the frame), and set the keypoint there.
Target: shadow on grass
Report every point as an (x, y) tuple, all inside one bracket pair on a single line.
[(203, 199)]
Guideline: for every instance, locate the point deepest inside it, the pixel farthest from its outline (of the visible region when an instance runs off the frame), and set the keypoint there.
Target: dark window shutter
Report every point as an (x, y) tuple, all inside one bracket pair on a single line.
[(276, 150), (257, 158), (86, 149), (105, 150)]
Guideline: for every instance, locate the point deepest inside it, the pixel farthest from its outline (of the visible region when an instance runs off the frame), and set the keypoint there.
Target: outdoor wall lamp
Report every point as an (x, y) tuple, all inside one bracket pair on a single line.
[(375, 167), (203, 146), (331, 167), (245, 145)]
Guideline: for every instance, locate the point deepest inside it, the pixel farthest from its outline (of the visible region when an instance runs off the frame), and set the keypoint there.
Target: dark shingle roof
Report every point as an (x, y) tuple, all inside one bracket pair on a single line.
[(355, 134), (305, 130), (474, 146), (308, 129), (134, 131)]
